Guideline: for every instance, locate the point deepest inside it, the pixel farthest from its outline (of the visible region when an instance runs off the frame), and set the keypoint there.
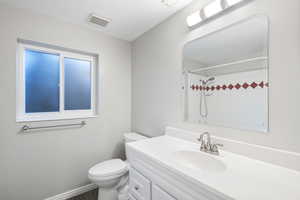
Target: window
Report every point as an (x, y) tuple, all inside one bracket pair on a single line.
[(54, 84)]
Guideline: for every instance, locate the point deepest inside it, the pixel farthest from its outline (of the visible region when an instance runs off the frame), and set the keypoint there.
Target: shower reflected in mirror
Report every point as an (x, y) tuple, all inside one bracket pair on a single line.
[(226, 76)]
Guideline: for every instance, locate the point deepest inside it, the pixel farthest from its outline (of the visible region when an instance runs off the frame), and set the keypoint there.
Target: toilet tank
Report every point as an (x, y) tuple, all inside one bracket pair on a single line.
[(132, 137)]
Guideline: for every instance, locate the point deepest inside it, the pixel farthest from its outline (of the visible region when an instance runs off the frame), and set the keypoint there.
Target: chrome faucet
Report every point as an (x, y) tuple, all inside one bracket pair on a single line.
[(207, 146)]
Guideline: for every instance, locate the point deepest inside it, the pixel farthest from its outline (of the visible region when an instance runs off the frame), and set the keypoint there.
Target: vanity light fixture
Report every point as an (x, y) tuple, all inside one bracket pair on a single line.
[(194, 19), (233, 2), (169, 2), (212, 9)]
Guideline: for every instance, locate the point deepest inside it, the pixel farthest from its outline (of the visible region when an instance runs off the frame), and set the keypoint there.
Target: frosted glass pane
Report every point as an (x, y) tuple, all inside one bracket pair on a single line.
[(77, 84), (41, 82)]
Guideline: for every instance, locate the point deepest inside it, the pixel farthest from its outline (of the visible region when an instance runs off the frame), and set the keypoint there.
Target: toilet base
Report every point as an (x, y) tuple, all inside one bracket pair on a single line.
[(107, 194), (123, 193)]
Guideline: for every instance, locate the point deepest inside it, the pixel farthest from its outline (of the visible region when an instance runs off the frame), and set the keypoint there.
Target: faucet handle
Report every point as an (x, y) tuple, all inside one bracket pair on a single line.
[(220, 145), (215, 149)]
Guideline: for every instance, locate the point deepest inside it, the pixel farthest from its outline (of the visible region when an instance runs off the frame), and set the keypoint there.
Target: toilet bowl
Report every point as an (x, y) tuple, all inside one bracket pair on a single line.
[(112, 175)]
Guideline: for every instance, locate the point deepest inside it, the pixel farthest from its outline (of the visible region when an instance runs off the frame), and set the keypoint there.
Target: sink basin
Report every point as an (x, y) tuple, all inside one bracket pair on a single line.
[(199, 160)]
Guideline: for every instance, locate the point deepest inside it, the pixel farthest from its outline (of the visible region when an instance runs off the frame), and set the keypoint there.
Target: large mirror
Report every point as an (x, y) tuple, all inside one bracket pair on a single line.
[(226, 76)]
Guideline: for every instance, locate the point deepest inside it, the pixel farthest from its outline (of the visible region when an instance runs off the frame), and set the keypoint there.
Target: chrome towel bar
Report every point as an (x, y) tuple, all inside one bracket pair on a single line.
[(27, 128)]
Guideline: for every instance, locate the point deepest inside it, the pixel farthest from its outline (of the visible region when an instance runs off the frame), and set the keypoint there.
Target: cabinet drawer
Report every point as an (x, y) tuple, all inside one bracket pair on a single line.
[(139, 186), (159, 194)]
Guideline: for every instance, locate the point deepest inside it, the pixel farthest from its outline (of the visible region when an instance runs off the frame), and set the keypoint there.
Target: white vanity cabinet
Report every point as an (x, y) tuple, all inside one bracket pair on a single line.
[(159, 194), (141, 188), (150, 181), (171, 168), (131, 197)]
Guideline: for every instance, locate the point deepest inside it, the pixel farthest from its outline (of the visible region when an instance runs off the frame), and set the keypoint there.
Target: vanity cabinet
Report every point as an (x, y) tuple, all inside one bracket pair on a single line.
[(170, 168), (141, 188), (151, 179), (159, 194), (131, 197), (153, 184)]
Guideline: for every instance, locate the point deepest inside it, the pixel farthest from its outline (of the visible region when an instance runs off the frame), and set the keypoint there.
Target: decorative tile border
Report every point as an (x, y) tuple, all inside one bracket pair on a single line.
[(237, 86)]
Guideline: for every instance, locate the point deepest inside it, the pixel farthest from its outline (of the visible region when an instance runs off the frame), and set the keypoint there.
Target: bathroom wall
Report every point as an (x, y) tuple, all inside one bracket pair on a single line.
[(38, 165), (157, 74)]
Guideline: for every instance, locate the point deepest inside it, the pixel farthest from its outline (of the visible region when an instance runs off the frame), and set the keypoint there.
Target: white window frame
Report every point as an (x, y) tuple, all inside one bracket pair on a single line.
[(22, 116)]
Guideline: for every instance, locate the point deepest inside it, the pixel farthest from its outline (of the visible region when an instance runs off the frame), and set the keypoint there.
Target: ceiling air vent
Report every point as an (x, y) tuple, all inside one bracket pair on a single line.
[(100, 21)]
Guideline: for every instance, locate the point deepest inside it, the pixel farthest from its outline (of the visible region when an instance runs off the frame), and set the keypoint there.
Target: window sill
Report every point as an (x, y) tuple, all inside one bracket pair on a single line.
[(40, 119)]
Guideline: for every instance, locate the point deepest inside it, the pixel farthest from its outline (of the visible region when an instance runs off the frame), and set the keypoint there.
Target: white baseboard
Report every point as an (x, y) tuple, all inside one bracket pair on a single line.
[(73, 193)]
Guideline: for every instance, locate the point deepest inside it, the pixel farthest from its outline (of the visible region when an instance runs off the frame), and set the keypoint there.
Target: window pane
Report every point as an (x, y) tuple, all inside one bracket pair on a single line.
[(42, 82), (77, 84)]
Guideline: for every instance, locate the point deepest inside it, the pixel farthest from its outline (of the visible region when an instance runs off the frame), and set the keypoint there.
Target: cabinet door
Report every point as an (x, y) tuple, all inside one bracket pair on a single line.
[(159, 194), (131, 197), (139, 186)]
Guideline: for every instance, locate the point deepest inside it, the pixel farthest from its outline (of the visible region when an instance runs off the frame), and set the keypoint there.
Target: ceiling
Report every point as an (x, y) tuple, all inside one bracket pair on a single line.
[(130, 18)]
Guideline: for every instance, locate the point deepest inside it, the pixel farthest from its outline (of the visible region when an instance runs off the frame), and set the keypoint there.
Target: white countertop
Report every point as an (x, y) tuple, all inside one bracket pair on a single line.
[(243, 178)]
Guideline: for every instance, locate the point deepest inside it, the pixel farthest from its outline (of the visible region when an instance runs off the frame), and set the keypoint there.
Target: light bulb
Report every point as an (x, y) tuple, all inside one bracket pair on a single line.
[(193, 19), (213, 8), (233, 2), (169, 2)]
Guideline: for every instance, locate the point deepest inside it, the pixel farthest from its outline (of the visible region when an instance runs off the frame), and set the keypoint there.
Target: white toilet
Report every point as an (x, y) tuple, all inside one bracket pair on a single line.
[(112, 175)]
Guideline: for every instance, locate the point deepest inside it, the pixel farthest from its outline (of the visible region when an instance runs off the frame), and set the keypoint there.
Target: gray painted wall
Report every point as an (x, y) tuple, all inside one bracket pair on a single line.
[(43, 164), (157, 58)]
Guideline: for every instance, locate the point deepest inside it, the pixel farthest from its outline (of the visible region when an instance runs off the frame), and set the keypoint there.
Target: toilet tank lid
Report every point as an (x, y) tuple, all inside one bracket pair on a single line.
[(134, 136)]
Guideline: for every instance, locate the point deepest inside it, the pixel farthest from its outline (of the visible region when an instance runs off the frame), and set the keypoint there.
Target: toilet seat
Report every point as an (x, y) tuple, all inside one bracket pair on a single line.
[(108, 169)]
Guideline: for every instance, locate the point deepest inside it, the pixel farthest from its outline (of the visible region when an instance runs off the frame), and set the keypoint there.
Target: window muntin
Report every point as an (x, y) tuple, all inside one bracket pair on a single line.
[(74, 109)]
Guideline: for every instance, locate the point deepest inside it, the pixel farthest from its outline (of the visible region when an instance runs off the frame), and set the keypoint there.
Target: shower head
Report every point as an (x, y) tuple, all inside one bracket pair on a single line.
[(211, 79), (207, 80)]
